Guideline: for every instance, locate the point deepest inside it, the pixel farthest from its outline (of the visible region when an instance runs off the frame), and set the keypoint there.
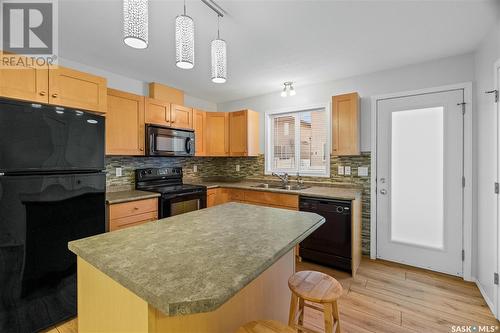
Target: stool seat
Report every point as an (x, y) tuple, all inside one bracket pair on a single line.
[(315, 287), (265, 326)]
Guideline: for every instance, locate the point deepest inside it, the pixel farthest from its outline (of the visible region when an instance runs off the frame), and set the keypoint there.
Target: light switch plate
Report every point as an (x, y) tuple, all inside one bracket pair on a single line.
[(340, 170), (237, 167), (195, 168), (347, 170), (363, 171), (118, 172)]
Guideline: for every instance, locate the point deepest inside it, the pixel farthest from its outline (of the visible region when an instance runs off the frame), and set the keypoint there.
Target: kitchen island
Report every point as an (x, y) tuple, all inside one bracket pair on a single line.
[(209, 270)]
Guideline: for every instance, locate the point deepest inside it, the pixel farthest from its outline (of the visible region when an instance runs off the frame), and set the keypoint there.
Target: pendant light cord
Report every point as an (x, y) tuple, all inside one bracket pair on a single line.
[(184, 7), (218, 26)]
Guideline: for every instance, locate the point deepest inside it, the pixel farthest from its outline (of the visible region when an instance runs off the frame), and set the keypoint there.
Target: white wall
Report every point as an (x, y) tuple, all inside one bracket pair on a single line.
[(486, 163), (424, 75), (117, 81)]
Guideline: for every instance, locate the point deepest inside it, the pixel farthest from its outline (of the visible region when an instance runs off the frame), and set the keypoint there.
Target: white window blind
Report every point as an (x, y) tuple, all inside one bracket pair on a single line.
[(299, 143)]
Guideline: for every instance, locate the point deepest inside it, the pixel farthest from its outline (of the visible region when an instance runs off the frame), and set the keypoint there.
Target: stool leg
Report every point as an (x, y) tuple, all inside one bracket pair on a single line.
[(301, 315), (293, 310), (336, 316), (328, 317)]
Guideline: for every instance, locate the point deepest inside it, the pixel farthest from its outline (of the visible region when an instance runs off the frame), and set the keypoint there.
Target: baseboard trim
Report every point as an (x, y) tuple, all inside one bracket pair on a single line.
[(486, 298)]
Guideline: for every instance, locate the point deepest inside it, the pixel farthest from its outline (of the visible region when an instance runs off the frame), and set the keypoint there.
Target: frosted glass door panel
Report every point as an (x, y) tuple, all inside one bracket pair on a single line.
[(417, 205)]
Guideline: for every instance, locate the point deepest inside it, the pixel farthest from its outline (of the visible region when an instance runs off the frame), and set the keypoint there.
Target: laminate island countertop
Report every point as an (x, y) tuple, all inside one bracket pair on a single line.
[(195, 262)]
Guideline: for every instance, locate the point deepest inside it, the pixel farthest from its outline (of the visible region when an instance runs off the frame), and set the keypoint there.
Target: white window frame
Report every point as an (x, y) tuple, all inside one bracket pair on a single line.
[(269, 147)]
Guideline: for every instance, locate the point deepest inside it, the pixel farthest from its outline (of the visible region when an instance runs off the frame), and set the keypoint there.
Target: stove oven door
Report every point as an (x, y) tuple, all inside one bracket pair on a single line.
[(175, 204)]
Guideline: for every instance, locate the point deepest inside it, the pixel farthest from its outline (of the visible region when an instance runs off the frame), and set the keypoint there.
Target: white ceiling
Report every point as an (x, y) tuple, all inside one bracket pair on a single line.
[(270, 42)]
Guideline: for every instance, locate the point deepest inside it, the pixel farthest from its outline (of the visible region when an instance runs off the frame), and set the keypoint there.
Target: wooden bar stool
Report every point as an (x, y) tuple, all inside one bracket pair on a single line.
[(265, 326), (318, 288)]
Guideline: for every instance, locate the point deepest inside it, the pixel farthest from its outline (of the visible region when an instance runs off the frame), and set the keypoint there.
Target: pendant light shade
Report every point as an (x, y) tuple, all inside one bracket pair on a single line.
[(135, 23), (184, 41), (219, 58), (219, 61)]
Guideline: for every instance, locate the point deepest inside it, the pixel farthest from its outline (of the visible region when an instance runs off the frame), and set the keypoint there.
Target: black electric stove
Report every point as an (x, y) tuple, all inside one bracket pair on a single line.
[(176, 198)]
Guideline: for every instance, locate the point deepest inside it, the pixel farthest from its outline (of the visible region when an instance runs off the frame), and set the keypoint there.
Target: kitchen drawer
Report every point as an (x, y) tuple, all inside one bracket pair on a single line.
[(236, 195), (129, 221), (131, 208), (275, 199)]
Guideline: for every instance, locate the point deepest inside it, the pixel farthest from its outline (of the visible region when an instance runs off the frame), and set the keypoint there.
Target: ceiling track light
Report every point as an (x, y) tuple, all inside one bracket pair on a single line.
[(288, 89), (135, 23), (184, 41), (219, 57)]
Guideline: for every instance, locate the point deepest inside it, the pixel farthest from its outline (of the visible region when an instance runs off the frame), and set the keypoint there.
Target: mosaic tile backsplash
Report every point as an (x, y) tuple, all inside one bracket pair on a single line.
[(250, 167)]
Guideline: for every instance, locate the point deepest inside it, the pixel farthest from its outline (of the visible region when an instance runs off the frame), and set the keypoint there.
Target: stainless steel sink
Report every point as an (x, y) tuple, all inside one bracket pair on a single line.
[(281, 187)]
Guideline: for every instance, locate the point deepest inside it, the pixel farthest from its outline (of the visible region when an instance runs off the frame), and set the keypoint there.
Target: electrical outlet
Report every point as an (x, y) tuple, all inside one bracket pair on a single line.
[(118, 172), (195, 168), (340, 170), (347, 170), (363, 171), (237, 167)]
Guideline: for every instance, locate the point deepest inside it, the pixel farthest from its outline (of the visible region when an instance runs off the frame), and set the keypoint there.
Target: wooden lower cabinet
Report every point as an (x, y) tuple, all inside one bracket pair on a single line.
[(217, 196), (128, 214), (125, 124)]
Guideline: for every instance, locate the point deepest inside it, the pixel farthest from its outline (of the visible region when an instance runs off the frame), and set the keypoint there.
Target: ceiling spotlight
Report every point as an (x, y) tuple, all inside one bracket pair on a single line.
[(135, 23), (288, 89)]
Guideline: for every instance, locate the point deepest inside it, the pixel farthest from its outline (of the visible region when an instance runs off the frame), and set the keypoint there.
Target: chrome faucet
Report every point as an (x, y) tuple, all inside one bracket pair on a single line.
[(300, 181), (284, 178)]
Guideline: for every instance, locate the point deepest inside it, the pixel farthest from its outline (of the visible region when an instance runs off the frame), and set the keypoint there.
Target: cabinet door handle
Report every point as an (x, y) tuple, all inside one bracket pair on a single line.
[(141, 149), (42, 93), (55, 95)]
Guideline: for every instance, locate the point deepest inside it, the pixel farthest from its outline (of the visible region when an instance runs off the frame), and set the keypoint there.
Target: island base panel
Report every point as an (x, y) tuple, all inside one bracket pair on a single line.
[(106, 306)]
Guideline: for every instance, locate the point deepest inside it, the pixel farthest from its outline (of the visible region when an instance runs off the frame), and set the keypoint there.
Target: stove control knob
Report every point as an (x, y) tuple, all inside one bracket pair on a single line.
[(143, 172), (149, 172)]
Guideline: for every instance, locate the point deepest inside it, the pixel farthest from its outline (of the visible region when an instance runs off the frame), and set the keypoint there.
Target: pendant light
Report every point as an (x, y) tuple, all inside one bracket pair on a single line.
[(219, 57), (184, 41), (135, 23)]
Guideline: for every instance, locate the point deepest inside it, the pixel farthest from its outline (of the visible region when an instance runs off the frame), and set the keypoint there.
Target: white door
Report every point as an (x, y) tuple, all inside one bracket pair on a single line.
[(419, 180)]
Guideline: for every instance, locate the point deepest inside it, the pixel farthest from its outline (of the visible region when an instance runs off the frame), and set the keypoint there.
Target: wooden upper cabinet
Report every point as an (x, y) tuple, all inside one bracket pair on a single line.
[(244, 133), (157, 112), (181, 116), (217, 133), (345, 124), (166, 93), (200, 132), (77, 89), (30, 83), (124, 124)]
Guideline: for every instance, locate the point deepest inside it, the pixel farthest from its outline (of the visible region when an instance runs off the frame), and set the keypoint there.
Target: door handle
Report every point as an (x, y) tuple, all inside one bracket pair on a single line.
[(383, 191)]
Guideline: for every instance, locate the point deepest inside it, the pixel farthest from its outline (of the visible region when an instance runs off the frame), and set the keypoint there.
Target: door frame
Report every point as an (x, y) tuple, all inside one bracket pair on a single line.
[(496, 293), (467, 206)]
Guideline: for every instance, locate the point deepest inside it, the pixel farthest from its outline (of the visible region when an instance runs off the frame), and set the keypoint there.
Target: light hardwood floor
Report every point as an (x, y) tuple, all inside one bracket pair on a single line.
[(391, 298)]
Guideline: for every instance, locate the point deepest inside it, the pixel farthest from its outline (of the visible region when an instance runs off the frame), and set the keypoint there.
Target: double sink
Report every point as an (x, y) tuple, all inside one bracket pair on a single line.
[(282, 187)]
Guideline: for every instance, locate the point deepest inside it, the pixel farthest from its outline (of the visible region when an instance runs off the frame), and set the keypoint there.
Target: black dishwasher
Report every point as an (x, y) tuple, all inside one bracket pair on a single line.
[(330, 244)]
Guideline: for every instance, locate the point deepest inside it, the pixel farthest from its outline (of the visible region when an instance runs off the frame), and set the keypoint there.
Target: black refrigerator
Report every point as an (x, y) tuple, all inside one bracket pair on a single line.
[(52, 191)]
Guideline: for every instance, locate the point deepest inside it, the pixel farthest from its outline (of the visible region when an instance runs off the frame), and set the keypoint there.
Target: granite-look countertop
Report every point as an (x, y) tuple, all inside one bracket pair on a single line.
[(195, 262), (126, 196), (326, 191)]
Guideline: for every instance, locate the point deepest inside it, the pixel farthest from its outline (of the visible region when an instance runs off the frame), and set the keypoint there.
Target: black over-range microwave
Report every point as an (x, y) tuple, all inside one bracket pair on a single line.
[(165, 141)]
